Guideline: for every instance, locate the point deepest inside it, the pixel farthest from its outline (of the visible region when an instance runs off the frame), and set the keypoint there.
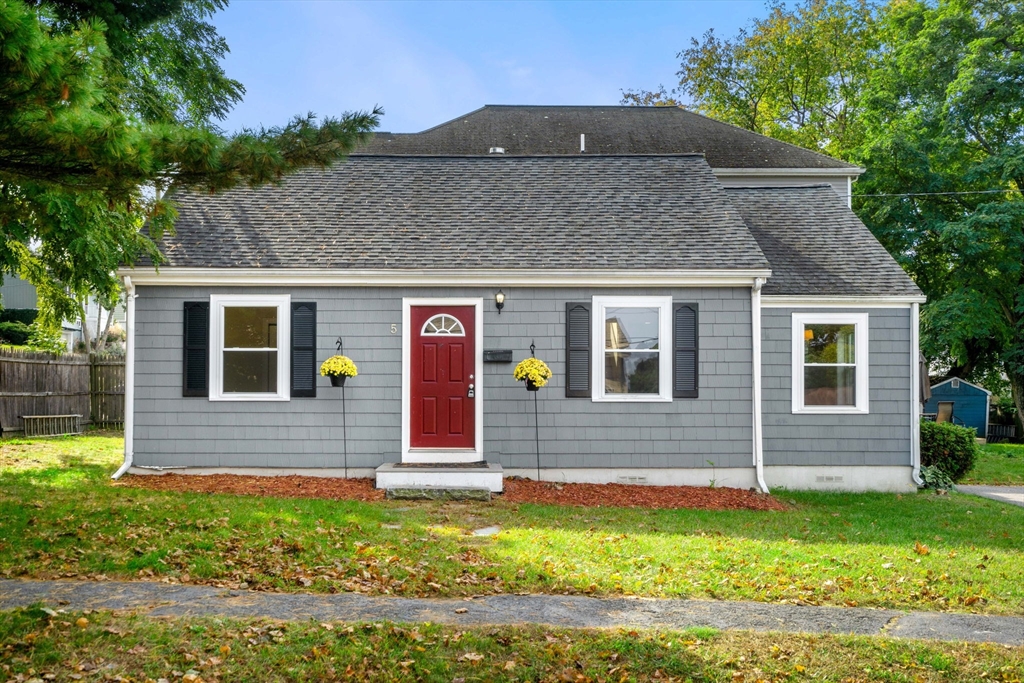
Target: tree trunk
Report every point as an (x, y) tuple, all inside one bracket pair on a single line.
[(85, 326), (101, 339), (1016, 377)]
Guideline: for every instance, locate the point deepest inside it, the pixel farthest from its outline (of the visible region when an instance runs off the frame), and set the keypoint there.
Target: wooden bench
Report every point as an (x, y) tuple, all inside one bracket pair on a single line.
[(52, 425)]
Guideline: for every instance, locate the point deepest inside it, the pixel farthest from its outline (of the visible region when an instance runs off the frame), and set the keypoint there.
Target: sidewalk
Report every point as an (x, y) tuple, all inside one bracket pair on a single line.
[(1014, 495), (159, 599)]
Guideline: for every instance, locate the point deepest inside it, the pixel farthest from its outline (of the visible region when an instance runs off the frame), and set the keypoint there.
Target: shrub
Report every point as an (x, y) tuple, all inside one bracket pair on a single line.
[(934, 478), (950, 448), (16, 333), (48, 340), (18, 315)]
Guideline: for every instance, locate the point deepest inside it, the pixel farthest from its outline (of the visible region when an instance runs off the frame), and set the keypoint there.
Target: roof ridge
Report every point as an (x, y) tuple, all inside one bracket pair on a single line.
[(805, 186), (655, 155), (584, 106)]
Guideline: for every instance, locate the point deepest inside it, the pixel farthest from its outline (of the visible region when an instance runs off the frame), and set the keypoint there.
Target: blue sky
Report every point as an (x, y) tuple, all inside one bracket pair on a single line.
[(427, 62)]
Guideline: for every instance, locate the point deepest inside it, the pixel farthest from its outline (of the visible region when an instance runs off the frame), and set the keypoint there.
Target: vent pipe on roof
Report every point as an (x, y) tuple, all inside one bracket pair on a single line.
[(497, 150), (583, 143)]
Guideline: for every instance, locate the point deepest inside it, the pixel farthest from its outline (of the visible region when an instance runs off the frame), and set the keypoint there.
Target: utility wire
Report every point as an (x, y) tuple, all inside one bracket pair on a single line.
[(937, 194)]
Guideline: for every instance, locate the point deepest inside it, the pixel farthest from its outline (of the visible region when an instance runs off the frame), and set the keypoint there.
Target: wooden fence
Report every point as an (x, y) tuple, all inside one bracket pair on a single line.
[(106, 390), (48, 384)]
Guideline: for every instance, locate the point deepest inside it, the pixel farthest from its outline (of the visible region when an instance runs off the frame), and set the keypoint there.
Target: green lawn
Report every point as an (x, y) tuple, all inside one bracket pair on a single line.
[(999, 463), (39, 647), (61, 517)]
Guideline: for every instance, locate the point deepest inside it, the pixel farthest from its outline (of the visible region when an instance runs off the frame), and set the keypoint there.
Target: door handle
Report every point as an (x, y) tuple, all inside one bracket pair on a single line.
[(471, 393)]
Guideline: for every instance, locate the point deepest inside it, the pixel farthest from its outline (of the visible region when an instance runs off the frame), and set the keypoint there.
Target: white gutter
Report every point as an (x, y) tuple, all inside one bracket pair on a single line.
[(755, 332), (915, 394), (788, 172), (297, 277), (806, 301), (129, 379)]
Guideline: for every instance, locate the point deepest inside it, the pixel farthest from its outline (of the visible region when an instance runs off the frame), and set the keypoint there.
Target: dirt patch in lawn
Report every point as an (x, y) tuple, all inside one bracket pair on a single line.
[(637, 496), (326, 488), (516, 491)]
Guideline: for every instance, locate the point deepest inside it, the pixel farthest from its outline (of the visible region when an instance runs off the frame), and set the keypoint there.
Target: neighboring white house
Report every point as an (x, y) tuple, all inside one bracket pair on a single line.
[(18, 293)]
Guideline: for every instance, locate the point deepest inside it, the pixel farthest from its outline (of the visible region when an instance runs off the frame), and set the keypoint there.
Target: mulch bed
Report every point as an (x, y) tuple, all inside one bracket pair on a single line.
[(516, 491), (638, 496), (294, 486)]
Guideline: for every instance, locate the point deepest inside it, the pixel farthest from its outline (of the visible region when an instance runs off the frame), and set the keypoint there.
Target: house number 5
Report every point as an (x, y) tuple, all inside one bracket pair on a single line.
[(394, 328)]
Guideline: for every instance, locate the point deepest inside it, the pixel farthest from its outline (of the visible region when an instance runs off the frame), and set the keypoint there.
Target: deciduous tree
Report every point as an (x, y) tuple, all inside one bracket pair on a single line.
[(929, 97)]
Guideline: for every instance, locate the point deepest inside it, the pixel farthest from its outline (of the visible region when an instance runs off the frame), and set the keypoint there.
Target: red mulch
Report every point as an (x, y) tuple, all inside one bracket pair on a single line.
[(637, 496), (327, 488), (516, 491)]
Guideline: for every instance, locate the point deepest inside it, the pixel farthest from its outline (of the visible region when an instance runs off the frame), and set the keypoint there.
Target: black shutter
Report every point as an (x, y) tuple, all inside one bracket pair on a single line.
[(684, 351), (303, 350), (196, 349), (577, 350)]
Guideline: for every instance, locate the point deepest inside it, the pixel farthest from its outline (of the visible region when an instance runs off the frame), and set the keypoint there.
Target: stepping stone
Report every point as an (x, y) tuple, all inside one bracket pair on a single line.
[(488, 531), (438, 493)]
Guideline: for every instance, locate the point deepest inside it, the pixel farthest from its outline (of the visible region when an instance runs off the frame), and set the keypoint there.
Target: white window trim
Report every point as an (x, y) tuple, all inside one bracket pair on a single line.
[(424, 333), (860, 321), (284, 319), (600, 304)]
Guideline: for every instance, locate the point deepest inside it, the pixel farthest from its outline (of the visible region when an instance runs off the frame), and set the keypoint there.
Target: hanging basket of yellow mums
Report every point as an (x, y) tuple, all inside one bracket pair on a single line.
[(534, 372), (338, 368)]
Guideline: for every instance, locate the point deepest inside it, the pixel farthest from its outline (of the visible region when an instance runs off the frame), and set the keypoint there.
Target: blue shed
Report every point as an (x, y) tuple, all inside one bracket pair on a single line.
[(970, 403)]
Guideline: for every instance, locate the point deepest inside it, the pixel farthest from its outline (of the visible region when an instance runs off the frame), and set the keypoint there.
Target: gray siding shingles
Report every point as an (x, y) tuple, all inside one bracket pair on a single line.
[(305, 432), (882, 437)]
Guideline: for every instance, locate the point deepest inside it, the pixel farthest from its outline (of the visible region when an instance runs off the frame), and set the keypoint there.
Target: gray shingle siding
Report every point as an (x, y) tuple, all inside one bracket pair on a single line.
[(882, 437), (174, 431)]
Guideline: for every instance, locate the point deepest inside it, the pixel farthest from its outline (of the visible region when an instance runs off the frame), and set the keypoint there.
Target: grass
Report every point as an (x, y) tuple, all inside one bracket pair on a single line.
[(37, 645), (998, 464), (61, 517)]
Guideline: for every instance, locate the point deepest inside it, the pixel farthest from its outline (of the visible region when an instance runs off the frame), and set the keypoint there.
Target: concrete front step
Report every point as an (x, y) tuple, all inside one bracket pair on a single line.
[(438, 476), (438, 493)]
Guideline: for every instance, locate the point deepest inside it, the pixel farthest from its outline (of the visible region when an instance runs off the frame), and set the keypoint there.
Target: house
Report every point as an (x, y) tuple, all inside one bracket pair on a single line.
[(970, 403), (703, 295), (16, 292)]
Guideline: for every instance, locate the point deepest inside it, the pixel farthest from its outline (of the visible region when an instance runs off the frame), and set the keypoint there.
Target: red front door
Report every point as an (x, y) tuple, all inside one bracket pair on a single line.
[(443, 362)]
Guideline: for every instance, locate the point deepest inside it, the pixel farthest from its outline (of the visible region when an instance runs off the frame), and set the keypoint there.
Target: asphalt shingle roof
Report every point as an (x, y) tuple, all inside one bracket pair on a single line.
[(816, 245), (373, 212), (536, 130)]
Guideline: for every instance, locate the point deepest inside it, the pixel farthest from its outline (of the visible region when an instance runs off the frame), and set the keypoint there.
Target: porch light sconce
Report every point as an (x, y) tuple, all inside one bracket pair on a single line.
[(499, 301)]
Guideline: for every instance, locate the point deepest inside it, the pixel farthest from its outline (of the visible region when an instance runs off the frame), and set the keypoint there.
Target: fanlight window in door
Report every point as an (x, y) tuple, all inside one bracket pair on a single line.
[(443, 326)]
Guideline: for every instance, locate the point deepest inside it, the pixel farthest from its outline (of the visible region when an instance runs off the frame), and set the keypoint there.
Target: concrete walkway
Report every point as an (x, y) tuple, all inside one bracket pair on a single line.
[(159, 599), (1014, 495)]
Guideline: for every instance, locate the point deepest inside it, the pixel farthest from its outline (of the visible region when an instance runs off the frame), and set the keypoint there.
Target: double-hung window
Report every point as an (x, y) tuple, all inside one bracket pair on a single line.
[(249, 342), (830, 362), (632, 358)]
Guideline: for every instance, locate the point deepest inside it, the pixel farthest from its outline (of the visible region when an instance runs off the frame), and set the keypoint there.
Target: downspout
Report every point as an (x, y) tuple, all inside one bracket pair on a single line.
[(915, 394), (129, 379), (755, 331)]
